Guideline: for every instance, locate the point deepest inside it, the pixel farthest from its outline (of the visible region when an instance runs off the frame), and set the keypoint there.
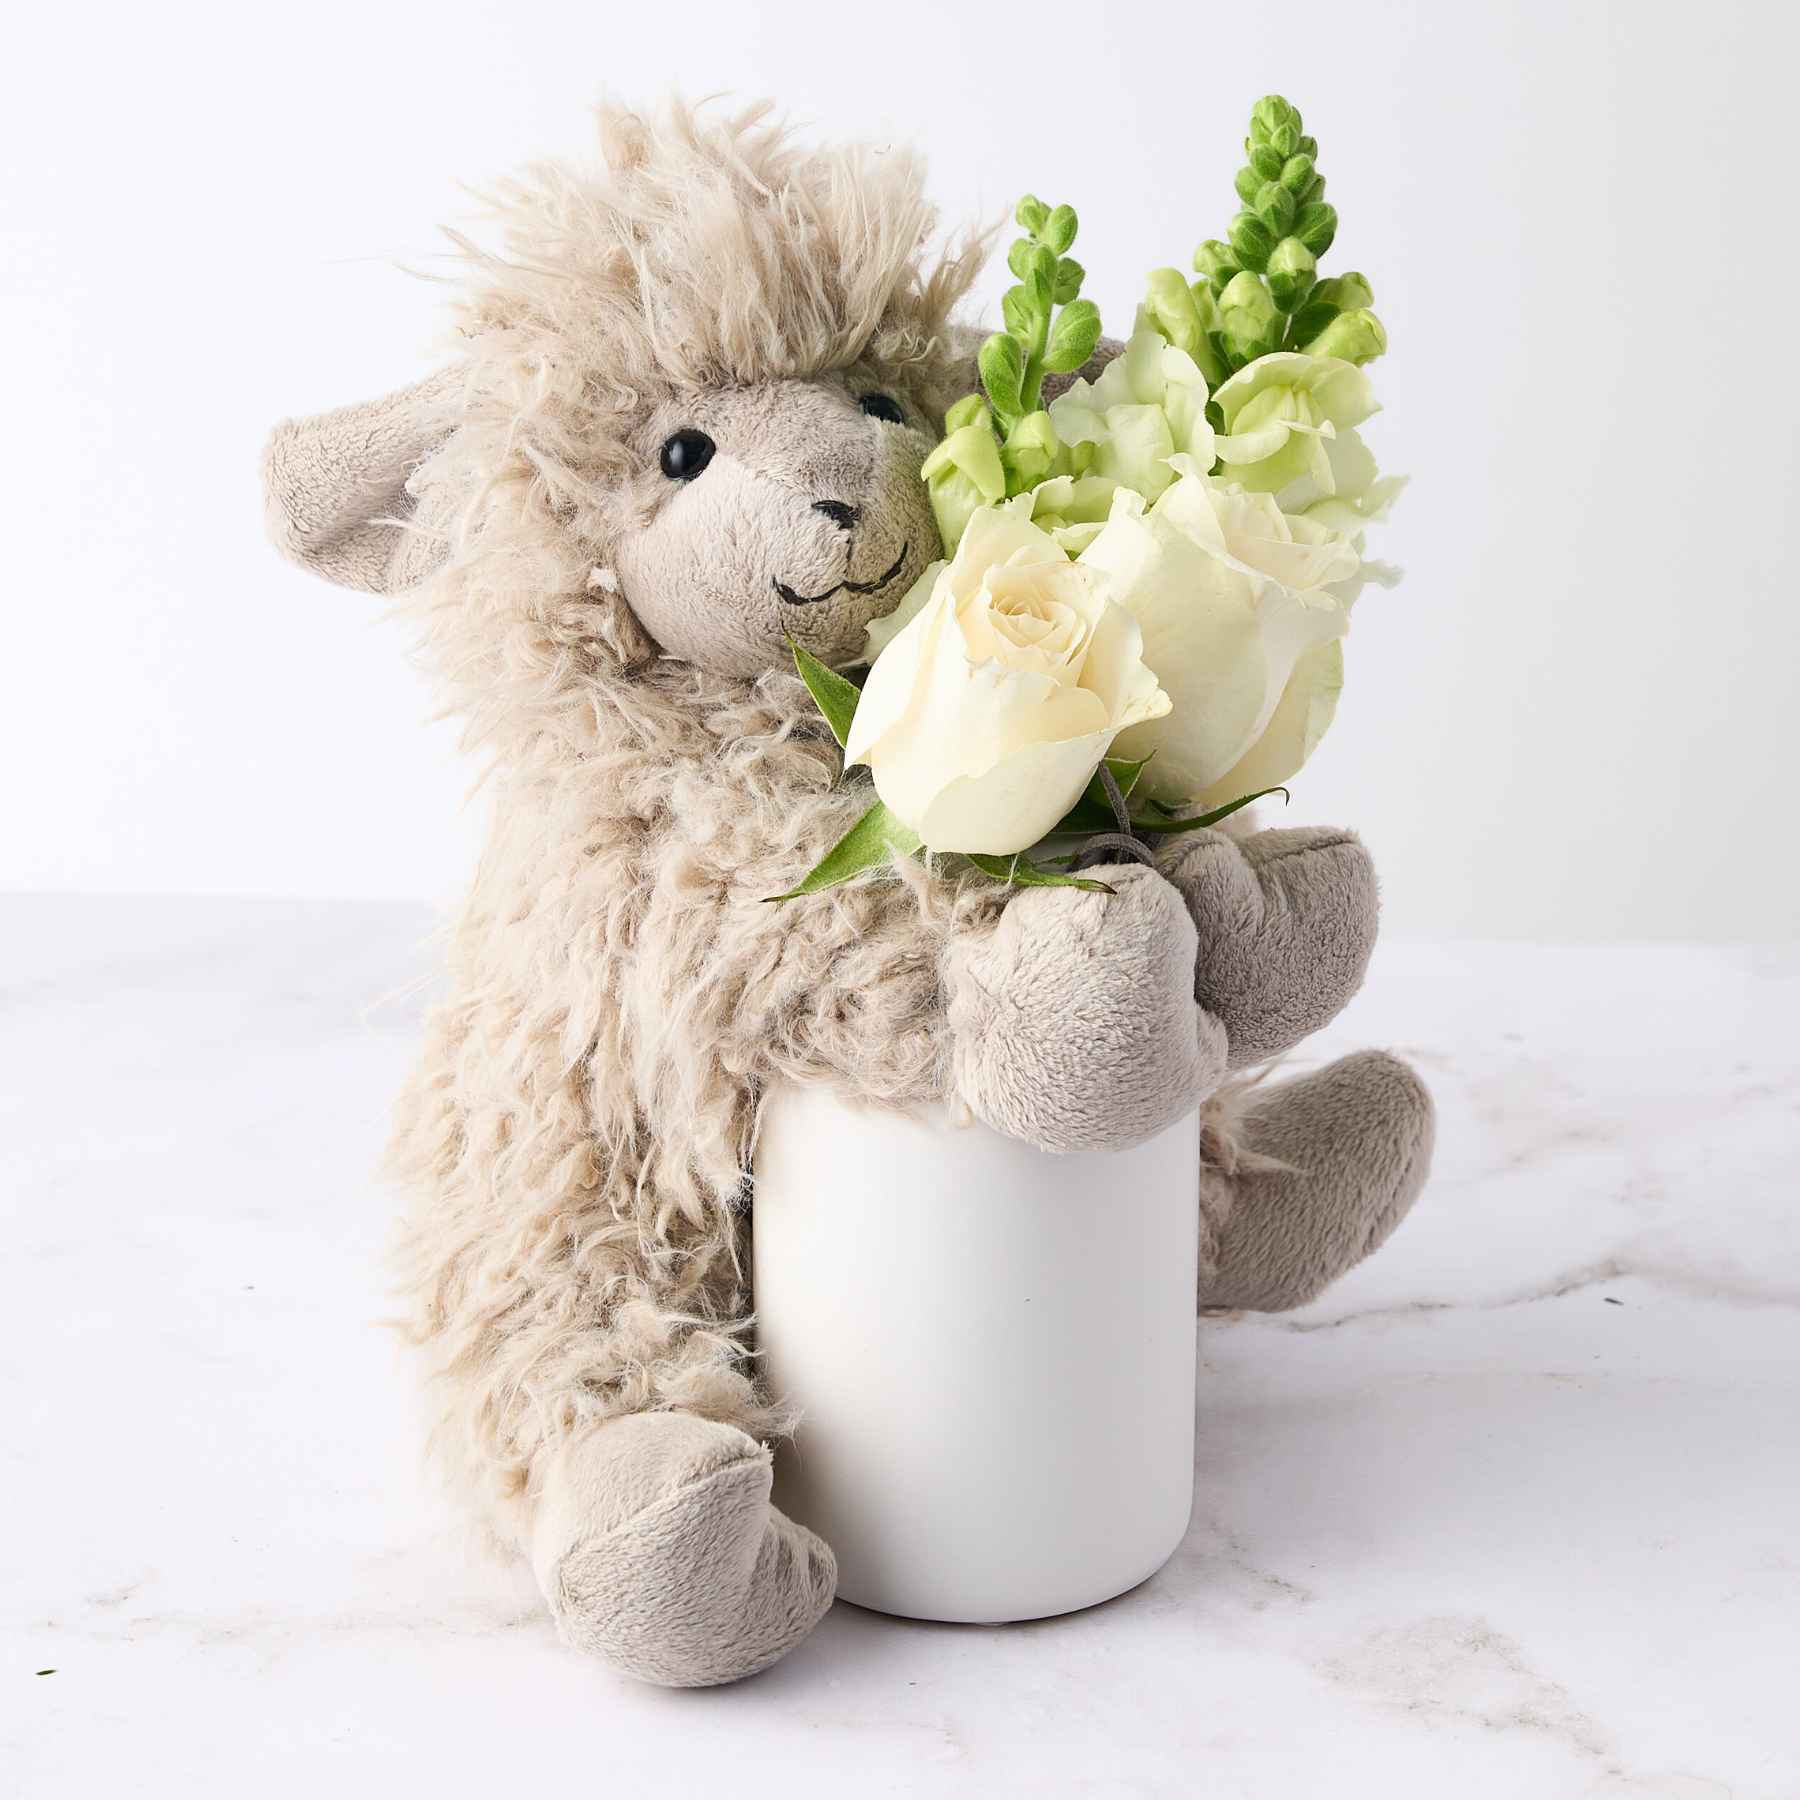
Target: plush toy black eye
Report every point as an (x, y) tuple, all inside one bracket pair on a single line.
[(686, 454), (879, 406)]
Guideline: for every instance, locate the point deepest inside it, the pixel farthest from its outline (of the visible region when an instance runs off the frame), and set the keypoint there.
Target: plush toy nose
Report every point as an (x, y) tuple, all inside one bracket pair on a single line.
[(838, 513)]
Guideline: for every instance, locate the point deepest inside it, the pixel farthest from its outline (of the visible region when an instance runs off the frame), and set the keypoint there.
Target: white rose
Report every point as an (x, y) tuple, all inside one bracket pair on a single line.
[(1237, 605), (996, 689)]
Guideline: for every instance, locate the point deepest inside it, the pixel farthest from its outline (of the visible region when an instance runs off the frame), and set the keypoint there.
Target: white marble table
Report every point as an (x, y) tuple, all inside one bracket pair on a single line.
[(1513, 1512)]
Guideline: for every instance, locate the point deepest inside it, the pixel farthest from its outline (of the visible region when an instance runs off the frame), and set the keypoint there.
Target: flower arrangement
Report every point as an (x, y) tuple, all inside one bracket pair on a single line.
[(1136, 627)]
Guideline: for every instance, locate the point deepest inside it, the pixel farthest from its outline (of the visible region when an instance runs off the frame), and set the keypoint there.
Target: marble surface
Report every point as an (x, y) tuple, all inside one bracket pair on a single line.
[(1514, 1511)]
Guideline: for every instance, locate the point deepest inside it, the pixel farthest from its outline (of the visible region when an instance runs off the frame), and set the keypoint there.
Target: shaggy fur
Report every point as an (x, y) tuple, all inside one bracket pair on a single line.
[(574, 1141)]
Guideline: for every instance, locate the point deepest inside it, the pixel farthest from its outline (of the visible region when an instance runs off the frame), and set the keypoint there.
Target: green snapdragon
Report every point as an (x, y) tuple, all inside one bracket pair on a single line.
[(1258, 289), (1000, 442)]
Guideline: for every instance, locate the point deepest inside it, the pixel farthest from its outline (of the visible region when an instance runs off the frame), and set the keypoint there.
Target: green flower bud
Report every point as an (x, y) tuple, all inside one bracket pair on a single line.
[(1248, 184), (1315, 226), (1030, 213), (1030, 452), (1069, 277), (1315, 190), (1058, 231), (1073, 337), (1002, 366), (1284, 140), (1291, 271), (1265, 161), (1040, 274), (1016, 254), (1184, 313), (1272, 114), (1217, 262), (1297, 174), (1353, 337), (1346, 292), (962, 475), (971, 409), (1309, 146), (1248, 318), (1252, 240), (1275, 206), (1169, 306)]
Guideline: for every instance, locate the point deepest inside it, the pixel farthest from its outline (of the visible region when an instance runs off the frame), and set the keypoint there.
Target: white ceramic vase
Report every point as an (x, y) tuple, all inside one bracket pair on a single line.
[(992, 1351)]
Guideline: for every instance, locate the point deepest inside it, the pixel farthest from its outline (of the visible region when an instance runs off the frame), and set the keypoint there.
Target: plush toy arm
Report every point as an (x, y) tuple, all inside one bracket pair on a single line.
[(1284, 925), (1072, 1021)]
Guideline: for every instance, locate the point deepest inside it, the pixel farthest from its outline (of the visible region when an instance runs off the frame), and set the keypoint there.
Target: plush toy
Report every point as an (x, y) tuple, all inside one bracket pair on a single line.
[(683, 425)]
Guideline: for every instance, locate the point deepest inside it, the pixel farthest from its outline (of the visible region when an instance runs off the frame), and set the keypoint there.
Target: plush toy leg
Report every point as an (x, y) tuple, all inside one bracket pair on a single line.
[(659, 1552), (1335, 1160), (1285, 921)]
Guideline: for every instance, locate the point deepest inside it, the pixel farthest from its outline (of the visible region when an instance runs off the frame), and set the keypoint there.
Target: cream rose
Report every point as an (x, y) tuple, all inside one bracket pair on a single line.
[(1238, 604), (996, 688)]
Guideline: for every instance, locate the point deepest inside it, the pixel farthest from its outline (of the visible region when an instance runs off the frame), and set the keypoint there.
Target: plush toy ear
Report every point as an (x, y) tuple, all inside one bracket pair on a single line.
[(334, 486)]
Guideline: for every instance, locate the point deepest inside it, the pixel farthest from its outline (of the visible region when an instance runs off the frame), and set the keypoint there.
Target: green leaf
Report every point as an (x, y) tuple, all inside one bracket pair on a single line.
[(1170, 824), (1093, 811), (1074, 336), (869, 844), (1020, 871), (836, 694)]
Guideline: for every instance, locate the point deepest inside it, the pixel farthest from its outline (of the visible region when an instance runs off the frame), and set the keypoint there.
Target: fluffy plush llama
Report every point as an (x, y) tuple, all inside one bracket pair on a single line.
[(692, 388)]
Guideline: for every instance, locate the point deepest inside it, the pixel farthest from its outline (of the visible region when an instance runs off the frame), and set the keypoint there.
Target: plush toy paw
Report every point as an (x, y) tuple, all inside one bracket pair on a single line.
[(659, 1552), (1285, 922), (1073, 1021), (1338, 1158)]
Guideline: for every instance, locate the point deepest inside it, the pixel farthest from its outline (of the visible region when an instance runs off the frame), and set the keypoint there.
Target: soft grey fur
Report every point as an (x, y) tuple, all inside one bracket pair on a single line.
[(1334, 1161), (573, 1144), (658, 1550), (1286, 925), (1073, 1023)]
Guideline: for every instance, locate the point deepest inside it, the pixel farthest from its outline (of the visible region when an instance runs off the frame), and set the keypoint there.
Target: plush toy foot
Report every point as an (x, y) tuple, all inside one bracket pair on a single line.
[(659, 1552), (1355, 1141), (1286, 922)]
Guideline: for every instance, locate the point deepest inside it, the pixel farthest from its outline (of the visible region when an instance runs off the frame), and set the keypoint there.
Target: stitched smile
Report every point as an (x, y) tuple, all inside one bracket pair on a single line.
[(845, 587)]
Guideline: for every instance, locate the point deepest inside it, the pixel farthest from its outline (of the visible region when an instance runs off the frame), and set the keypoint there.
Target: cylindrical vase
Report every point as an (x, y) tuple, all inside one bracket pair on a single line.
[(991, 1350)]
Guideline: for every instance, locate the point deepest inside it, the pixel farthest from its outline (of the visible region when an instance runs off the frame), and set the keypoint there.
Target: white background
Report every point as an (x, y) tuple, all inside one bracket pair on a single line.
[(1573, 721)]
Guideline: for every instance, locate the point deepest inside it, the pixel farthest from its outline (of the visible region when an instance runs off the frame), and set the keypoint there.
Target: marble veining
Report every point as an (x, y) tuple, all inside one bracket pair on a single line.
[(1514, 1511)]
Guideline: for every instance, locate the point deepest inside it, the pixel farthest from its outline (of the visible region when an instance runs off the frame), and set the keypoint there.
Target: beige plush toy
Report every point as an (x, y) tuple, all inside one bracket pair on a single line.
[(682, 425)]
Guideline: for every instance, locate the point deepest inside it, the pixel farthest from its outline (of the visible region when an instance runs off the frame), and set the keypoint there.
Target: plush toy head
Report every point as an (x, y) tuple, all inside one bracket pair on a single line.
[(785, 509), (689, 404)]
